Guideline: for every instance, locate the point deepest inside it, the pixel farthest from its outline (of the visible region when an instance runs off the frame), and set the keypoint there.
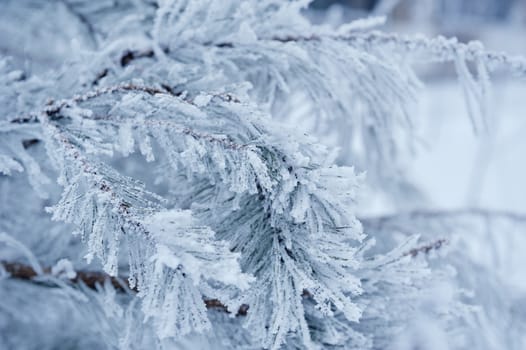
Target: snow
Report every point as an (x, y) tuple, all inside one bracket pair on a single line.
[(8, 164), (63, 269)]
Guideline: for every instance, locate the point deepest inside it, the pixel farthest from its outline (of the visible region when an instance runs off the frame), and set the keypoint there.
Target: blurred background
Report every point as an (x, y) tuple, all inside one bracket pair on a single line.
[(452, 164), (466, 19)]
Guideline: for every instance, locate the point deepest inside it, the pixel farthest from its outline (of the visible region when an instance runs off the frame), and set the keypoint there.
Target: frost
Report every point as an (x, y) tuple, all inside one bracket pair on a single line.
[(63, 269), (362, 24), (25, 251), (8, 164), (202, 100), (194, 185), (126, 140), (182, 243)]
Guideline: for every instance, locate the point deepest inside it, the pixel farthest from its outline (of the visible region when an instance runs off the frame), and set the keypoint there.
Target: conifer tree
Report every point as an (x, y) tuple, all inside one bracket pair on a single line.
[(183, 174)]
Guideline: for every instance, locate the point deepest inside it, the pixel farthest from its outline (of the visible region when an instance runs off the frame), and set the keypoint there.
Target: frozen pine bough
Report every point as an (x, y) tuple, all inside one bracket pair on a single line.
[(184, 175)]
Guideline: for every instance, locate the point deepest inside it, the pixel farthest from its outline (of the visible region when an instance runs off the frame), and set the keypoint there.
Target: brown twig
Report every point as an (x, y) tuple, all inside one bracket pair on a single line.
[(425, 249), (89, 278)]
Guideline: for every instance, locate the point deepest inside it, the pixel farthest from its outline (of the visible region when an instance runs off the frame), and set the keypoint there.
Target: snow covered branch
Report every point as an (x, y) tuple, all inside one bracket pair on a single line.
[(208, 155), (92, 279), (438, 49)]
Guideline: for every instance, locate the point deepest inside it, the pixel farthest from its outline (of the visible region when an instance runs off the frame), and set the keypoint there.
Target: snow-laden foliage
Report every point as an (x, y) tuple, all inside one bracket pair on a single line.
[(208, 154), (294, 232)]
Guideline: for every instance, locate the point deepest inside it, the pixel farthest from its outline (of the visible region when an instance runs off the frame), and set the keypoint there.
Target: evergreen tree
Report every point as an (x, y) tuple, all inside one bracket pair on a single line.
[(184, 174)]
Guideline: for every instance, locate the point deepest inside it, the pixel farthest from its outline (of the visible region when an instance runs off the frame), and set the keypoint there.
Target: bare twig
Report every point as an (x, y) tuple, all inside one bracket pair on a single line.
[(89, 278), (427, 248)]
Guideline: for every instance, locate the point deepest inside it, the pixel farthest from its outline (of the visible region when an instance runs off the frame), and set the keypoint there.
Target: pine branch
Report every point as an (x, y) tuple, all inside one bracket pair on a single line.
[(92, 279), (440, 48), (54, 107)]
